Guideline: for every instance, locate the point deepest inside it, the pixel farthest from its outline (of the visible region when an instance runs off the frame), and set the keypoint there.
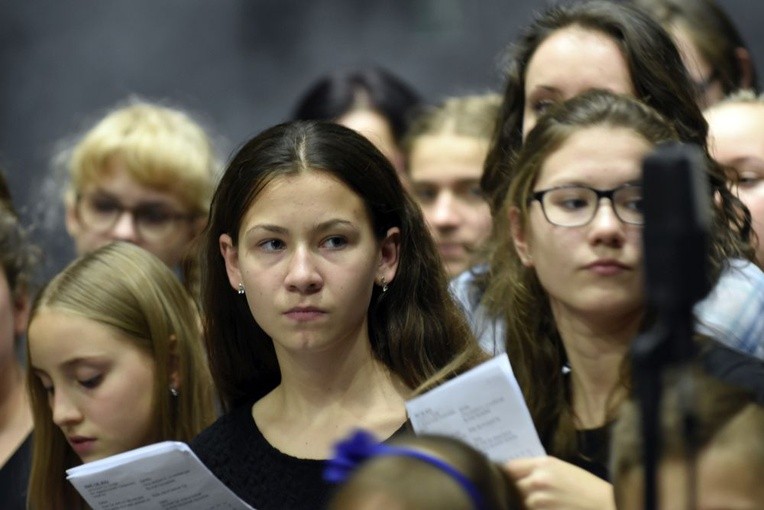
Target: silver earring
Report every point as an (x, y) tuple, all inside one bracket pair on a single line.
[(383, 284), (241, 288), (174, 391)]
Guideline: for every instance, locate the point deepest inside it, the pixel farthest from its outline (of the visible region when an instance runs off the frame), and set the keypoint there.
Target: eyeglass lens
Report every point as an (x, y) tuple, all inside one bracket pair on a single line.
[(576, 206), (101, 212)]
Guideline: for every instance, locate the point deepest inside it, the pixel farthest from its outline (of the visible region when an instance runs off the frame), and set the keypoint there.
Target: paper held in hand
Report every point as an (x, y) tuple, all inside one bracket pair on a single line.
[(483, 407), (165, 475)]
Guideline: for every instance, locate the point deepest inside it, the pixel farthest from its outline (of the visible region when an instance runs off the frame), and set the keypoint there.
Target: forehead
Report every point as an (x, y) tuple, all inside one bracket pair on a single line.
[(373, 126), (117, 181), (306, 198), (574, 59), (599, 156), (56, 337), (736, 119), (447, 156)]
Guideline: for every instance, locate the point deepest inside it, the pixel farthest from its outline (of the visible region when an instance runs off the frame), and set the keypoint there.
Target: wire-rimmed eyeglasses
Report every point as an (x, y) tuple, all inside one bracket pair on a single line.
[(576, 206), (152, 221)]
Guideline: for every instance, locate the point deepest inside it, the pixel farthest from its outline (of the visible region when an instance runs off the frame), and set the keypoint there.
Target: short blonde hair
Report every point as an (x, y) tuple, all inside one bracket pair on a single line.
[(161, 147), (473, 116)]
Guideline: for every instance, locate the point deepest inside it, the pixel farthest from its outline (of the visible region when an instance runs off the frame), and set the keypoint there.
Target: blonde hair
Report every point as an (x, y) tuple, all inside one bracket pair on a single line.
[(162, 148), (130, 290), (473, 116)]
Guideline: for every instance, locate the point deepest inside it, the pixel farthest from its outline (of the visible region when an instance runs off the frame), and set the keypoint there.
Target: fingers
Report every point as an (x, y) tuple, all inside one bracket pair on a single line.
[(521, 468)]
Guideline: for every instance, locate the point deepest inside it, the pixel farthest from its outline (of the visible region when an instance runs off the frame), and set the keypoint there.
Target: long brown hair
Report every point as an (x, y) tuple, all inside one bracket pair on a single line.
[(660, 80), (515, 294), (415, 327)]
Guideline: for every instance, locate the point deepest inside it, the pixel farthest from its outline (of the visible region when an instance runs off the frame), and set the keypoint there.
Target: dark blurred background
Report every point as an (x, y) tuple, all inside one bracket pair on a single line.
[(237, 65)]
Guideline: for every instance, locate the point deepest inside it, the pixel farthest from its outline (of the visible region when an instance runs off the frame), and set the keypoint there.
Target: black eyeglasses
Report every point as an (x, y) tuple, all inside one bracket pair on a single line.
[(575, 206), (153, 221)]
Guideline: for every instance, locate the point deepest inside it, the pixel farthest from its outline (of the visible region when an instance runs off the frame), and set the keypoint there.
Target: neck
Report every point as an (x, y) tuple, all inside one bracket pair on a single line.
[(13, 395), (596, 348), (323, 396), (15, 412), (348, 378)]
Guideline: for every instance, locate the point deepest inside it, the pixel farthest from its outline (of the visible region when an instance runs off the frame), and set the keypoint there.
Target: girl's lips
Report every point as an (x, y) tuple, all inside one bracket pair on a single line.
[(304, 314), (607, 267), (81, 445)]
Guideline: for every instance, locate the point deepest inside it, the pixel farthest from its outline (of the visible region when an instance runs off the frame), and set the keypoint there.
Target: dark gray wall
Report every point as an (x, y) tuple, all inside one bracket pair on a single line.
[(236, 64)]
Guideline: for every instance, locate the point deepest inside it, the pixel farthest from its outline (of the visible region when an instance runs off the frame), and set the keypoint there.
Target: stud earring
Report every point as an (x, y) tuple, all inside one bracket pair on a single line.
[(174, 391), (241, 288), (383, 284)]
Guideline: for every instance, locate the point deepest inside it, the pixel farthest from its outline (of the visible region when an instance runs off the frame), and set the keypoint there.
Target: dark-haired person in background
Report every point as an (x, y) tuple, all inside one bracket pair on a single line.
[(17, 261), (373, 101), (714, 52)]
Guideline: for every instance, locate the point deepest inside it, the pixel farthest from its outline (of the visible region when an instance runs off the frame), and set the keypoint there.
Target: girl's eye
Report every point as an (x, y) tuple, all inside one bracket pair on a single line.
[(541, 106), (425, 193), (272, 245), (91, 382), (48, 389), (747, 181), (335, 242)]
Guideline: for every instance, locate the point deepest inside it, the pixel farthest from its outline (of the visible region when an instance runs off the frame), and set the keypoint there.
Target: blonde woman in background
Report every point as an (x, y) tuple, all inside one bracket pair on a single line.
[(144, 174), (114, 363), (736, 140), (445, 149)]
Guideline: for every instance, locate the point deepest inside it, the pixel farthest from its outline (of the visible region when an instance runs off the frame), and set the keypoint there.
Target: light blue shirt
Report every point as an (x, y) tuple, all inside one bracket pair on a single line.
[(732, 313)]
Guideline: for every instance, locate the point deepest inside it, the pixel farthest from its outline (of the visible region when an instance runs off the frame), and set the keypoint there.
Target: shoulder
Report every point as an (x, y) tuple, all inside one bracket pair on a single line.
[(735, 368), (225, 434), (733, 312), (465, 289)]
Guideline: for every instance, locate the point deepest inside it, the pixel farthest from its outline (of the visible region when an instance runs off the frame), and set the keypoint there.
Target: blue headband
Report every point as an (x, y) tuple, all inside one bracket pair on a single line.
[(361, 446)]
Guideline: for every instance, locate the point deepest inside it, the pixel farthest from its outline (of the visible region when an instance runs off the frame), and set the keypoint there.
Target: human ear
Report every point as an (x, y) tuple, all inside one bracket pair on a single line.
[(745, 65), (519, 237), (390, 249), (197, 225), (71, 220), (230, 255), (21, 307)]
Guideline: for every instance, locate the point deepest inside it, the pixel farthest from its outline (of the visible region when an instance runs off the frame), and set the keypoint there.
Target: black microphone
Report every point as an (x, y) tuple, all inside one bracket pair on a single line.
[(676, 240), (676, 237)]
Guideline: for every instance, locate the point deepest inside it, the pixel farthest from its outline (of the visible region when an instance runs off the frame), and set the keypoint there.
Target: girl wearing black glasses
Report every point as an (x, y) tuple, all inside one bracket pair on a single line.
[(568, 284)]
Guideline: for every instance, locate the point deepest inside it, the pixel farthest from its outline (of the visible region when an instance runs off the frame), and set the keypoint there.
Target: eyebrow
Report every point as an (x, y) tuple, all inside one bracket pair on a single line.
[(320, 227), (745, 159), (147, 203), (545, 88), (69, 364), (565, 184)]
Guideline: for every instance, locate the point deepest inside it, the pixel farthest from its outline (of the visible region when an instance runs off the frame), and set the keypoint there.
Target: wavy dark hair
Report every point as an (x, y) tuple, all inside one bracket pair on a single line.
[(659, 78), (415, 327)]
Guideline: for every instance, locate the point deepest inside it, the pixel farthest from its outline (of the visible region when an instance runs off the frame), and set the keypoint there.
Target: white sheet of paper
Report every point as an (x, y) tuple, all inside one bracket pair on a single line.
[(165, 475), (483, 407)]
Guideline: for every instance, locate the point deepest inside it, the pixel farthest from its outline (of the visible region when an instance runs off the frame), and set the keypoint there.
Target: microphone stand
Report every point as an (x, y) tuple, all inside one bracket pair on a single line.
[(677, 205), (651, 354)]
